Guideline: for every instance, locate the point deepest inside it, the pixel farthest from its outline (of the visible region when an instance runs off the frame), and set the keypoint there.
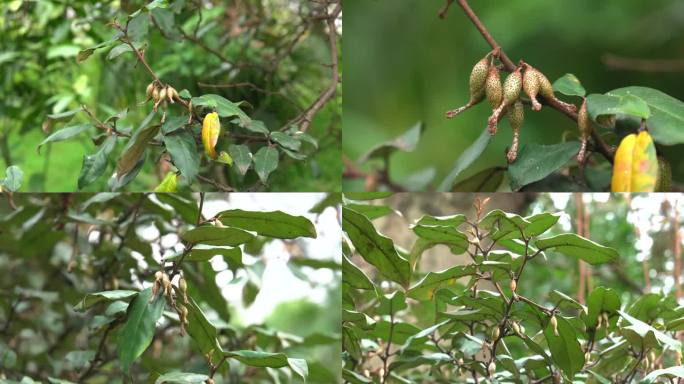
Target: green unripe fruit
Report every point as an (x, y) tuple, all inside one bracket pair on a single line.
[(478, 77), (512, 87), (491, 369), (493, 87), (545, 87), (531, 86), (516, 116), (585, 129), (511, 93)]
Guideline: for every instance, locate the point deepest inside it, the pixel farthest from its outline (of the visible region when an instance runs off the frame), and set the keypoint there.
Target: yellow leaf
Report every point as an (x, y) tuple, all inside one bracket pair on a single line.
[(169, 183), (635, 167), (210, 133)]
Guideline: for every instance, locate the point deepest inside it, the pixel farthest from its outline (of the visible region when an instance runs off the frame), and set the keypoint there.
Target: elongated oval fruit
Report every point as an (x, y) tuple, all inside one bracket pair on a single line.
[(211, 128), (585, 129), (516, 116), (476, 85), (511, 92), (554, 324), (493, 87), (635, 167), (546, 90), (149, 90), (496, 333), (491, 369), (531, 86)]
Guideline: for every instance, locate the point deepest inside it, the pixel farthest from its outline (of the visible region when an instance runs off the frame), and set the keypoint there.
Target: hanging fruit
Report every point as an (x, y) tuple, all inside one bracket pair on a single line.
[(211, 128)]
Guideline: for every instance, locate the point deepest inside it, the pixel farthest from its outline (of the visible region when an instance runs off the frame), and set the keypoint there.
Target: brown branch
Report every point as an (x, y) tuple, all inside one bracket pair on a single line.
[(615, 62), (579, 211), (96, 359), (307, 117), (601, 145), (217, 185)]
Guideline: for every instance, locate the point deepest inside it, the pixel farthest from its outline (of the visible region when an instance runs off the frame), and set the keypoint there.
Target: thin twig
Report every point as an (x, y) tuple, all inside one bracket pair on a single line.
[(307, 117)]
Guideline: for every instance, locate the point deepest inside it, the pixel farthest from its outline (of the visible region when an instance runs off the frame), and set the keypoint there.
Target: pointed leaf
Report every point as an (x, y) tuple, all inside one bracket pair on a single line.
[(276, 224), (137, 333), (265, 162), (211, 235), (579, 247), (376, 249)]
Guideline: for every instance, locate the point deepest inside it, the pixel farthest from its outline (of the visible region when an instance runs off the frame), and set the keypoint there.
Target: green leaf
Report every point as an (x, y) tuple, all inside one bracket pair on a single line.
[(667, 113), (569, 85), (439, 234), (276, 224), (138, 26), (677, 371), (173, 123), (181, 378), (647, 333), (354, 378), (535, 162), (211, 235), (185, 208), (94, 165), (614, 104), (426, 287), (432, 360), (601, 300), (134, 151), (137, 333), (223, 106), (241, 156), (371, 211), (465, 160), (407, 142), (13, 178), (64, 133), (565, 348), (184, 154), (118, 50), (93, 298), (306, 137), (355, 277), (392, 303), (265, 162), (202, 331), (286, 140), (169, 184), (59, 117), (367, 195), (164, 19), (559, 297), (232, 256), (576, 246), (258, 126), (487, 180), (443, 221), (376, 249), (272, 360), (224, 158)]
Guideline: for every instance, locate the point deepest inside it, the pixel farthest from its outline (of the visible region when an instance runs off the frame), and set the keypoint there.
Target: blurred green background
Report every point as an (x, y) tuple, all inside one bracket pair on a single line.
[(403, 65)]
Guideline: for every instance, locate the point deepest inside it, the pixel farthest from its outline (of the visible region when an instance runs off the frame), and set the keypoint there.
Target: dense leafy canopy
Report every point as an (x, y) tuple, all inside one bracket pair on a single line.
[(487, 316), (121, 89), (127, 285)]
